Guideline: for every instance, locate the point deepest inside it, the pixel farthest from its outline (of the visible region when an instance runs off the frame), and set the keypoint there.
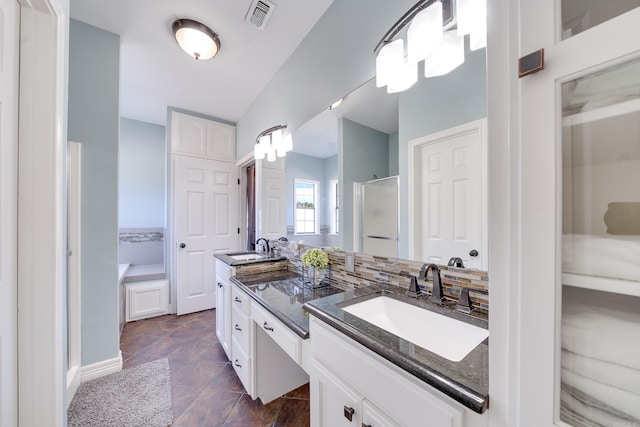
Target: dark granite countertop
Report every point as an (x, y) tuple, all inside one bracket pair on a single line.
[(283, 294), (226, 258), (466, 381)]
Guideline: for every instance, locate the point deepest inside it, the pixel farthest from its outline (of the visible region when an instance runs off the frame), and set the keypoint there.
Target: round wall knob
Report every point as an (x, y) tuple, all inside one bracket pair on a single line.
[(182, 246), (473, 253)]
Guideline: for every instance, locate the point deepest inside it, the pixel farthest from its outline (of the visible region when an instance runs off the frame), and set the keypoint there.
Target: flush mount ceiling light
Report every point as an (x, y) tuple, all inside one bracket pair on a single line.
[(198, 40), (429, 40), (272, 143)]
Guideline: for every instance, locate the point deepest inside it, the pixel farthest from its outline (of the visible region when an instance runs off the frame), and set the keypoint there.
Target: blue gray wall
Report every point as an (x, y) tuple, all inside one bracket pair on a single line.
[(436, 104), (362, 153), (335, 58), (394, 151), (93, 120), (141, 175)]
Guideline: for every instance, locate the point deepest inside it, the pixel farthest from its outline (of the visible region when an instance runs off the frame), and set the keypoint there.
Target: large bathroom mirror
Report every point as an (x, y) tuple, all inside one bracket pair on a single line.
[(373, 135)]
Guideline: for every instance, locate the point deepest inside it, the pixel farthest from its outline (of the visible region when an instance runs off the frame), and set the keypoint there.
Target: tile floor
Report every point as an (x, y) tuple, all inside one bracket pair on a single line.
[(206, 390)]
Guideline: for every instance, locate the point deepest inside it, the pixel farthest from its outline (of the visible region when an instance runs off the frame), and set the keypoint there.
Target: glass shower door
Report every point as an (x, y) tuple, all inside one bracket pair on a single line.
[(380, 217)]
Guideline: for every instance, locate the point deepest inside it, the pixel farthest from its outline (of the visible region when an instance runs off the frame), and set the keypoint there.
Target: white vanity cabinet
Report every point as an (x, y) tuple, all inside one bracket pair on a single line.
[(266, 355), (353, 386), (223, 305)]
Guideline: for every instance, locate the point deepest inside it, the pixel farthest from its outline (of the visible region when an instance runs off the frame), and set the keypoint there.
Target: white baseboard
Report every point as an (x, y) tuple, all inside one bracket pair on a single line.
[(100, 369), (73, 382)]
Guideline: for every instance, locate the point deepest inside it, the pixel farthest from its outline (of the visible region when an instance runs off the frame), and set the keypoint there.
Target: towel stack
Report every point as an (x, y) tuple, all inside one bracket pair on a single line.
[(600, 374)]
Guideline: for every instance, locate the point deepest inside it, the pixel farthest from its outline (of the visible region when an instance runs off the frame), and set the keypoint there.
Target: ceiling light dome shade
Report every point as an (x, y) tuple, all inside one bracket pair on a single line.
[(198, 40)]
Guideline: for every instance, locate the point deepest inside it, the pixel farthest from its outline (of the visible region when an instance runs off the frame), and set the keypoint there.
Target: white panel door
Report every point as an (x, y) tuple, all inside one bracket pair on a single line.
[(206, 223), (448, 188), (8, 208), (271, 213)]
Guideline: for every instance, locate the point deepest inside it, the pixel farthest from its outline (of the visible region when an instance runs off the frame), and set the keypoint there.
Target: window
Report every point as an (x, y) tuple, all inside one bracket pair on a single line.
[(306, 200), (335, 206)]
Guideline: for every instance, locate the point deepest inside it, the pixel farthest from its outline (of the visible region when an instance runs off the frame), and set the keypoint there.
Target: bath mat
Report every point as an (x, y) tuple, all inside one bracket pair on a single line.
[(134, 397)]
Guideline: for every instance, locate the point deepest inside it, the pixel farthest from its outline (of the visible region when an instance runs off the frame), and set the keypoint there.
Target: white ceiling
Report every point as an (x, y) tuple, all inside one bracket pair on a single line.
[(368, 105), (156, 73)]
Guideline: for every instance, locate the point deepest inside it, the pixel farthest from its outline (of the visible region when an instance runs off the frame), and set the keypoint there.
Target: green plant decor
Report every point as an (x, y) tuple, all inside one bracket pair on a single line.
[(315, 257)]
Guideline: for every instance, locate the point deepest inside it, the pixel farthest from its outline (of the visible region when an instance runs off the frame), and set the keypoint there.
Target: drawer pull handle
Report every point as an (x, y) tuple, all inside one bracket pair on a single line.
[(219, 284), (237, 364), (238, 328), (366, 425), (236, 299), (267, 327), (348, 413)]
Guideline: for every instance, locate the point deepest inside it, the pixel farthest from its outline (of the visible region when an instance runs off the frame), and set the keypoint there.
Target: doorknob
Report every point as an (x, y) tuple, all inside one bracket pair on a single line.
[(182, 246), (473, 253)]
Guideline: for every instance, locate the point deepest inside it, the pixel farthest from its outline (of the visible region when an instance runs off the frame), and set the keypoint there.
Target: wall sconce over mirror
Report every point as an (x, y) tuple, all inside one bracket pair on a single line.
[(272, 143), (435, 35)]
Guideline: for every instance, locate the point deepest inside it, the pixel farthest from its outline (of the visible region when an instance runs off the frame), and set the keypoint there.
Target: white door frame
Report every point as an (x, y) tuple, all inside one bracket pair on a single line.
[(476, 126), (44, 31)]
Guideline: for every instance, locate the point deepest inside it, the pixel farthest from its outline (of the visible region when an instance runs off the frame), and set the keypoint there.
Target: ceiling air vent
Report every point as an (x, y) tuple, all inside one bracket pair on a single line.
[(259, 13)]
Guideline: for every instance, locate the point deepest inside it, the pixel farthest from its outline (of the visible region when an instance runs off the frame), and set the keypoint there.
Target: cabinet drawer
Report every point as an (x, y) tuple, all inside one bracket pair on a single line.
[(242, 365), (240, 301), (240, 328), (275, 329)]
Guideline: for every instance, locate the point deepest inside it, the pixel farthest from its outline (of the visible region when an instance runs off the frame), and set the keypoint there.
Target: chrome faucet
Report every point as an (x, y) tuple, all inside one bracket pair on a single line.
[(265, 246), (436, 293)]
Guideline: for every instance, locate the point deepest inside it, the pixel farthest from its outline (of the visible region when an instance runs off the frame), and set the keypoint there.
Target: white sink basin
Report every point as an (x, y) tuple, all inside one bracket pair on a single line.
[(447, 337), (246, 257)]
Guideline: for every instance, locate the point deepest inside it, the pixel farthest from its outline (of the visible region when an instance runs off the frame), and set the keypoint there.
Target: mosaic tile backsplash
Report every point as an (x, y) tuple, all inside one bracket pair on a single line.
[(371, 269)]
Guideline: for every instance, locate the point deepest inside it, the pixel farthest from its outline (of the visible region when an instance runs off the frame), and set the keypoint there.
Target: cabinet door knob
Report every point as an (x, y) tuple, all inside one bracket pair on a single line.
[(267, 327), (348, 413), (238, 328), (219, 284), (182, 245), (237, 364), (236, 299)]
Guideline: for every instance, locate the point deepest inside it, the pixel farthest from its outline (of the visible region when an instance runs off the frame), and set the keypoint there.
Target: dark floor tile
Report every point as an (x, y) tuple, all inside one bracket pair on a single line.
[(139, 359), (206, 390), (183, 397), (293, 413), (248, 412), (198, 374), (301, 392), (211, 408)]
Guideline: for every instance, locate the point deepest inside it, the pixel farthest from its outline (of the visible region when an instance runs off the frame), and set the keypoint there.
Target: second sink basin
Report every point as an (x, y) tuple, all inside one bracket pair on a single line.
[(246, 257), (445, 336)]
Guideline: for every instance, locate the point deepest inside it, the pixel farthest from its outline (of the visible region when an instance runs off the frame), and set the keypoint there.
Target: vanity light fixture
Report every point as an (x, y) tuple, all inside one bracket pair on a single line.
[(272, 144), (198, 40), (336, 104), (430, 39)]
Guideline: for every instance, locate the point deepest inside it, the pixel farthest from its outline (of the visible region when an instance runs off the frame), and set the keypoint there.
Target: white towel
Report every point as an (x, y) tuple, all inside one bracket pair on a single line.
[(579, 414), (612, 374), (605, 335), (618, 257), (621, 400)]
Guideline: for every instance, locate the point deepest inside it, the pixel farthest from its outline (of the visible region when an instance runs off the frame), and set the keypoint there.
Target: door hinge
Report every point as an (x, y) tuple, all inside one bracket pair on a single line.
[(238, 230), (238, 181)]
